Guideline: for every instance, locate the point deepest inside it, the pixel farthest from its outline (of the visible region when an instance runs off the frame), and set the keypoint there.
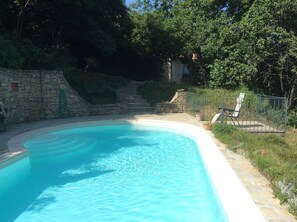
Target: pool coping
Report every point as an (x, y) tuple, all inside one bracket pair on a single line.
[(271, 211)]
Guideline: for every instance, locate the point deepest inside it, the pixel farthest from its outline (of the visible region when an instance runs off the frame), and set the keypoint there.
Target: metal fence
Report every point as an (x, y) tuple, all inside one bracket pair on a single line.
[(258, 113)]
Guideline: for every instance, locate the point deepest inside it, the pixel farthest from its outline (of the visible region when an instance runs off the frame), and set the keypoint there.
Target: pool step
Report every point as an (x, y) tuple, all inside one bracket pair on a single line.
[(65, 148)]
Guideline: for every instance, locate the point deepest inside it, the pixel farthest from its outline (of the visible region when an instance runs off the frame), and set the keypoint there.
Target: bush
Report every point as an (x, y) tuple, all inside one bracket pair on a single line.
[(96, 88), (10, 56), (155, 92), (292, 118)]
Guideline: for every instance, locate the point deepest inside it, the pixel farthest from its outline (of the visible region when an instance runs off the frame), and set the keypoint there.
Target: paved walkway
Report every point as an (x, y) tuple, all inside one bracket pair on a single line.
[(252, 179)]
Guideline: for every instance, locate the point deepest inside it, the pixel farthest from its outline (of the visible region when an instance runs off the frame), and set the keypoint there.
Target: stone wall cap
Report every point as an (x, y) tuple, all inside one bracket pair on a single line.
[(31, 70)]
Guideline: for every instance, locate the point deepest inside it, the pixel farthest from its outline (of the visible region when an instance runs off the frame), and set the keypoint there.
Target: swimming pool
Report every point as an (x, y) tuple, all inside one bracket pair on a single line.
[(148, 171)]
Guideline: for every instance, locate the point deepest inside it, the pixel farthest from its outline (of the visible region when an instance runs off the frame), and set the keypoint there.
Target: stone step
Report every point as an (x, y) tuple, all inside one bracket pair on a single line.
[(140, 110), (127, 92), (133, 102), (137, 105), (130, 95), (131, 99)]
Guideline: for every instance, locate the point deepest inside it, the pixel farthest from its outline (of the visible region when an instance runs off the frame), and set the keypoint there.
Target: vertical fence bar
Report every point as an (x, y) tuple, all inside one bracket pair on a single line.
[(257, 108), (286, 115), (222, 110)]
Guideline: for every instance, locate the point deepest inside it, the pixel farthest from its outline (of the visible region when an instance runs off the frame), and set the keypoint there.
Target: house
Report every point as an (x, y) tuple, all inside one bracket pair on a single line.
[(174, 71)]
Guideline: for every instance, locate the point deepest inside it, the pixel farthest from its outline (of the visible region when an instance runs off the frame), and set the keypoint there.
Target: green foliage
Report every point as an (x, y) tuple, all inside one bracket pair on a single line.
[(276, 140), (155, 92), (24, 54), (96, 88), (273, 155), (292, 118), (262, 46), (55, 34), (150, 37), (10, 56), (34, 57), (239, 43), (224, 129), (96, 93)]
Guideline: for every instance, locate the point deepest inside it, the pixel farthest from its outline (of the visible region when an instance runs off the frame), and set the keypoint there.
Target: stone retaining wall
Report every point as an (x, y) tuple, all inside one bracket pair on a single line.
[(43, 94), (176, 105)]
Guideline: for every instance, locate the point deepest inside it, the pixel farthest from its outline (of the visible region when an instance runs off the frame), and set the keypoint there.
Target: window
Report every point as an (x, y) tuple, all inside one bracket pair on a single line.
[(14, 86)]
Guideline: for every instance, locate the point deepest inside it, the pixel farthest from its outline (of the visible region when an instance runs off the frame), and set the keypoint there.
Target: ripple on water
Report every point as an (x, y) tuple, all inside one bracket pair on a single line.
[(131, 174)]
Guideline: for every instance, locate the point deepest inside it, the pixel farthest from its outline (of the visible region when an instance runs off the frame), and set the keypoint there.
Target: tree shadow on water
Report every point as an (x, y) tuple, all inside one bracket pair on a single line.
[(27, 196), (23, 199), (40, 203)]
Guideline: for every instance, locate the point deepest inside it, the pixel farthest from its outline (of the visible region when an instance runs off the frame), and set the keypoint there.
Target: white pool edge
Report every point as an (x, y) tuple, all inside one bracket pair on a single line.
[(236, 200)]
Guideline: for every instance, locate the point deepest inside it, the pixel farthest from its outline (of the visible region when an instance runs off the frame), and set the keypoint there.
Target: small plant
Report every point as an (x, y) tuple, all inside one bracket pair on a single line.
[(289, 191)]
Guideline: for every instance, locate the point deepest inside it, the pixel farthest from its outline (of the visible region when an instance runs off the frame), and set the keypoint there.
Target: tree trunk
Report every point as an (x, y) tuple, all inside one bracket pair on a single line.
[(292, 93), (20, 22), (281, 81), (60, 32), (20, 19)]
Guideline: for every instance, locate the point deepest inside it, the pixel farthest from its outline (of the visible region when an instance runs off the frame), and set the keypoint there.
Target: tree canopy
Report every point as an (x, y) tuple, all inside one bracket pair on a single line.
[(82, 29), (250, 43)]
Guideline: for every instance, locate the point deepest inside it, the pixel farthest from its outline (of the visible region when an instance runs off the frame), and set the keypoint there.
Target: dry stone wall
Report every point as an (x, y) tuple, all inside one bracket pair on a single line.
[(44, 94), (176, 105)]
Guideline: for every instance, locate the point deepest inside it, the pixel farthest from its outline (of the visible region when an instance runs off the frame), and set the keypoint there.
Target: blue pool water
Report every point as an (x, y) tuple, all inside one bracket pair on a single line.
[(112, 173)]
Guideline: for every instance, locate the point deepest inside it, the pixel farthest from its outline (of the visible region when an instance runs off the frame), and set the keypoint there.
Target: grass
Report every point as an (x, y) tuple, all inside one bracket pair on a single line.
[(155, 92), (273, 155), (199, 100)]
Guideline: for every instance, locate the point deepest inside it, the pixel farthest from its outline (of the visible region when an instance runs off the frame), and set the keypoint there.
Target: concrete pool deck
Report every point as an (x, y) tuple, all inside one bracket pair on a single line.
[(254, 182)]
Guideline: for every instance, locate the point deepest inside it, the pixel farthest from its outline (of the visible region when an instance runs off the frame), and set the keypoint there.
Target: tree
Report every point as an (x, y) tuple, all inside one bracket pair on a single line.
[(262, 54), (88, 29), (149, 36)]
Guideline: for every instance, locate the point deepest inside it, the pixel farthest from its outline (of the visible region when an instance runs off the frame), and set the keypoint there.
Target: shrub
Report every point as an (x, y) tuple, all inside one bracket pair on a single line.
[(95, 88), (10, 56), (155, 92), (292, 118)]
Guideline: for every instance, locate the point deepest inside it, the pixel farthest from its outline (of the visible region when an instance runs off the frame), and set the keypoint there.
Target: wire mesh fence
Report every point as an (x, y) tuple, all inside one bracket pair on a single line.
[(256, 113)]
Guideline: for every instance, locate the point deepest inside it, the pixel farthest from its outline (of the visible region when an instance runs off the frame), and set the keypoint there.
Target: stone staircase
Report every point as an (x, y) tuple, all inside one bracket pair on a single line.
[(133, 103)]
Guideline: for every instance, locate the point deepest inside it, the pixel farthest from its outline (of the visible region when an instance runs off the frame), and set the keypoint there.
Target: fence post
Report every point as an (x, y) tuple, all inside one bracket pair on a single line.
[(222, 110), (257, 108), (286, 104)]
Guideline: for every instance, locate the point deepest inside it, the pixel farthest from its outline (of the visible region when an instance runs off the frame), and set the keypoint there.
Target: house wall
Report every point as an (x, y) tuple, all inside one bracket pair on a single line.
[(174, 71)]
